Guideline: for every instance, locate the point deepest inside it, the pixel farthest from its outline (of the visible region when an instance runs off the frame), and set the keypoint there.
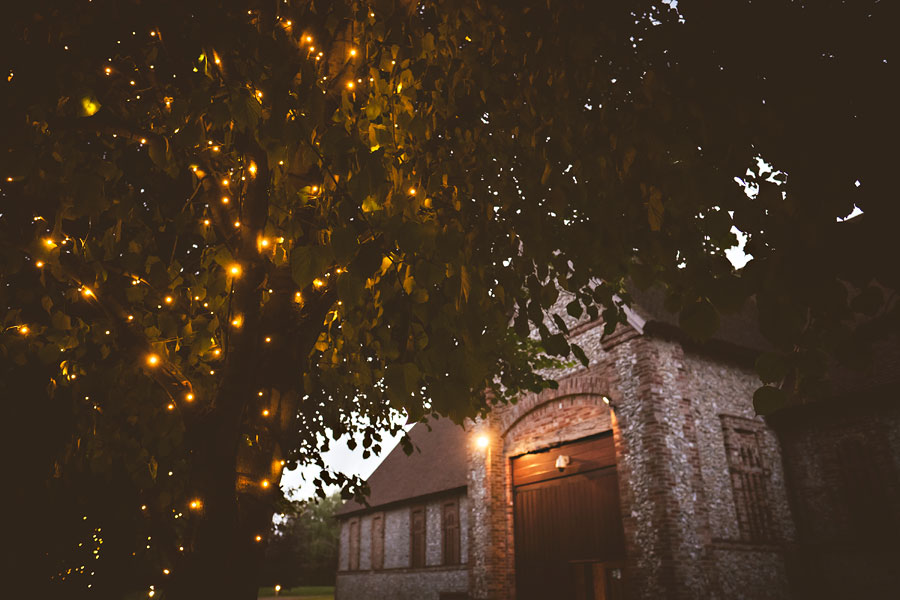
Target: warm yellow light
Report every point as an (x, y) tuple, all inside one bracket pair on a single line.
[(237, 322), (143, 507), (224, 182), (264, 243), (265, 413), (265, 483), (298, 297), (259, 393), (217, 352), (49, 243), (171, 406), (215, 148), (482, 441), (39, 264), (315, 189), (280, 240), (23, 329), (259, 95), (206, 221), (131, 317), (196, 504), (189, 397), (353, 52), (225, 199), (169, 299), (318, 282), (165, 571), (258, 538), (252, 167), (606, 399), (277, 588), (107, 70), (153, 360), (237, 224), (235, 269), (131, 82), (143, 141), (412, 191), (350, 85), (87, 292), (308, 39), (268, 339)]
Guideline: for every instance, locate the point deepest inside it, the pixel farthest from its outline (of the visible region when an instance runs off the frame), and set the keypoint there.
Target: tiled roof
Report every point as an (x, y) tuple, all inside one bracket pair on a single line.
[(437, 464)]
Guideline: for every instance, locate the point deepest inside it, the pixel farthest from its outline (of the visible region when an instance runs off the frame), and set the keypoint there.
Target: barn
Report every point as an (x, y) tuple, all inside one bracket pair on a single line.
[(645, 474)]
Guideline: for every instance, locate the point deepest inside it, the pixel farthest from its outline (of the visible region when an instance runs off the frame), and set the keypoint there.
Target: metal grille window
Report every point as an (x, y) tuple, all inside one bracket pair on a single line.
[(378, 542), (450, 532), (749, 479), (417, 537)]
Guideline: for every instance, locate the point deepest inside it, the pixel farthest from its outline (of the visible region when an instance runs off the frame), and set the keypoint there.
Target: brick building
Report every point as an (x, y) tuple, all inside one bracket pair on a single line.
[(644, 475)]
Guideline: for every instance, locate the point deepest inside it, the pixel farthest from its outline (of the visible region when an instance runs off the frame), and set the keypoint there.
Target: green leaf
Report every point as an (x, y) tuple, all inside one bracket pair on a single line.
[(767, 400)]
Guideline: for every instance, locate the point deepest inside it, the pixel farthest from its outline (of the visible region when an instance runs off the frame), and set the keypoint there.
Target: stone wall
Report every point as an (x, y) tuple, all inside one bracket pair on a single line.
[(397, 580)]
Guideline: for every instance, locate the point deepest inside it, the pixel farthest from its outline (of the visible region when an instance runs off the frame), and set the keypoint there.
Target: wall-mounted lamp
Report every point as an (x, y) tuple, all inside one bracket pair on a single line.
[(606, 399), (562, 461), (482, 441)]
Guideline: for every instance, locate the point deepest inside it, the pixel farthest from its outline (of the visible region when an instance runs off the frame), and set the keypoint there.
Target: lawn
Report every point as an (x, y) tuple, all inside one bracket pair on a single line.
[(322, 592)]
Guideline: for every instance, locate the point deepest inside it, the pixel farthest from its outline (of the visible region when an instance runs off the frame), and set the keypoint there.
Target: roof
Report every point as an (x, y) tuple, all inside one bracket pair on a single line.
[(739, 330), (437, 464)]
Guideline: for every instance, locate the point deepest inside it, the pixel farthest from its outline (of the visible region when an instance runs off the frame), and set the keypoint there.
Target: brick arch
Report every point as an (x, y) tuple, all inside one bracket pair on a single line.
[(578, 385), (574, 410)]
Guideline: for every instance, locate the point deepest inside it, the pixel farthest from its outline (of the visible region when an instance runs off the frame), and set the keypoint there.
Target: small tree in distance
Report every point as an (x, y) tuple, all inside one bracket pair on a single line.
[(303, 549), (232, 230)]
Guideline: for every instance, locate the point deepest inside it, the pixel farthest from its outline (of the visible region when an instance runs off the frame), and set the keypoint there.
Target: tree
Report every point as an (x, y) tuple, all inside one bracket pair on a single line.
[(230, 228), (303, 549)]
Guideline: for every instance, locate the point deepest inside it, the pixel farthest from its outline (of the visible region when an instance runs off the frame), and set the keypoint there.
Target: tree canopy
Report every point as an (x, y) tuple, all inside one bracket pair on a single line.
[(231, 228)]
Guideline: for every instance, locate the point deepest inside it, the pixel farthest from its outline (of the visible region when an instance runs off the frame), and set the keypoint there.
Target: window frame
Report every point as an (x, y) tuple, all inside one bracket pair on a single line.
[(451, 550), (418, 551)]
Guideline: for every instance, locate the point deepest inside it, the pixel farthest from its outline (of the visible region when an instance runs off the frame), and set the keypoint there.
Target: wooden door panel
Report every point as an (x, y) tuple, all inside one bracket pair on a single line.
[(562, 522)]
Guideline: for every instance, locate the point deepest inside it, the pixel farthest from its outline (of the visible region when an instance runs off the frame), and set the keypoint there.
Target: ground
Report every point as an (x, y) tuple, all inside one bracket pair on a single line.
[(300, 593)]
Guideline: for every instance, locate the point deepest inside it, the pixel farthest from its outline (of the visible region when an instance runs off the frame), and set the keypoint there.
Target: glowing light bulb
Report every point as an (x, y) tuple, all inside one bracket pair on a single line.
[(237, 322), (482, 441), (353, 52), (189, 397), (196, 504), (225, 199), (107, 70), (215, 148), (315, 189), (264, 243), (318, 282), (265, 413), (259, 393), (412, 191), (39, 264), (235, 269), (131, 317), (217, 352), (258, 538), (268, 339), (237, 224), (87, 292), (351, 85), (49, 243), (308, 39), (169, 299), (225, 182), (206, 221), (153, 360), (252, 167), (23, 329), (171, 406), (265, 483)]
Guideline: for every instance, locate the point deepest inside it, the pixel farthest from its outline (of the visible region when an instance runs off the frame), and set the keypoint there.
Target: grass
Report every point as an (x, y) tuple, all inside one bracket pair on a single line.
[(320, 592)]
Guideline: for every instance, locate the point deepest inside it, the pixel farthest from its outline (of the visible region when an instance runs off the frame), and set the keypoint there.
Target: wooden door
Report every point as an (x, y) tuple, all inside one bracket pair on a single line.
[(565, 519)]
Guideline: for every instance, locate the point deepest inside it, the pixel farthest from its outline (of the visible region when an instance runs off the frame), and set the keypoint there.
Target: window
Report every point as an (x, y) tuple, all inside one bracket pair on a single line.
[(417, 537), (354, 545), (749, 478), (378, 542), (450, 532)]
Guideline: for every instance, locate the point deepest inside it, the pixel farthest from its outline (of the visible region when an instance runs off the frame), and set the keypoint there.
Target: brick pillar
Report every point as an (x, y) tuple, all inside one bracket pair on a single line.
[(665, 525), (490, 550)]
